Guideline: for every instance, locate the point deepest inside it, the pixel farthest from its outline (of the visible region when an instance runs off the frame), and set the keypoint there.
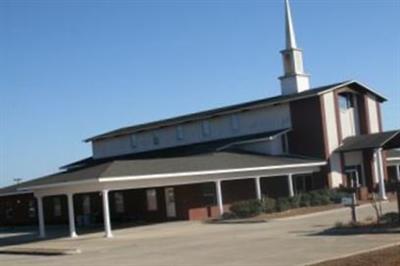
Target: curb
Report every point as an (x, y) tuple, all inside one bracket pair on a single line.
[(353, 254), (39, 251), (320, 213)]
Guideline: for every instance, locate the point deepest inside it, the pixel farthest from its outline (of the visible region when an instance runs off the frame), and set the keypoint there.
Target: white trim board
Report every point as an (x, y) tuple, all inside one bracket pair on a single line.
[(224, 171)]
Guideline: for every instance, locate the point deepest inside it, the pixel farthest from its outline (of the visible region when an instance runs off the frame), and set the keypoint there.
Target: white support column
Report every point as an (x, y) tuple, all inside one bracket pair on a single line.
[(219, 197), (106, 213), (258, 188), (42, 231), (381, 175), (71, 215), (290, 184), (398, 172)]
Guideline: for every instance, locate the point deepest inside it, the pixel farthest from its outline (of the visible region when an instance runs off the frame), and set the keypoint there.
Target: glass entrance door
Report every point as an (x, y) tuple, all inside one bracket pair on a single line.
[(170, 202), (353, 178)]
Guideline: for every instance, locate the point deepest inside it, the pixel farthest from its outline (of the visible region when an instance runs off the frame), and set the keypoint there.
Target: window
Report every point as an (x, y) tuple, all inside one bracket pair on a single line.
[(346, 101), (179, 132), (156, 140), (235, 122), (119, 202), (285, 145), (151, 199), (353, 174), (205, 126), (208, 192), (302, 183), (133, 140), (288, 63), (86, 204), (57, 206), (9, 210), (31, 209)]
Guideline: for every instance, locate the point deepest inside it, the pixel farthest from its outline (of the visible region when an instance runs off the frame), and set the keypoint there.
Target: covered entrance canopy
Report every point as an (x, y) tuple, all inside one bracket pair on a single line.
[(383, 140), (123, 174), (373, 144)]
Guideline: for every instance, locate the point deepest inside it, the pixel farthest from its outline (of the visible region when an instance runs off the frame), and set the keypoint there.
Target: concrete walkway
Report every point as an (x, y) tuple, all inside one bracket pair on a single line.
[(292, 241)]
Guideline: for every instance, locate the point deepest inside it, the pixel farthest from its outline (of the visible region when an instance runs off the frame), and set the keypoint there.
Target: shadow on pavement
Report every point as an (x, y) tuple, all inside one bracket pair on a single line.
[(25, 235), (346, 231), (18, 235)]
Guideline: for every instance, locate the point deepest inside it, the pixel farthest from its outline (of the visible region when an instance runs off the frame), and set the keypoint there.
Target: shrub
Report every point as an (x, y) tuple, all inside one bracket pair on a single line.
[(246, 208), (390, 218), (337, 195), (228, 215), (269, 205), (318, 198), (295, 201), (282, 204), (325, 200), (325, 192), (305, 200)]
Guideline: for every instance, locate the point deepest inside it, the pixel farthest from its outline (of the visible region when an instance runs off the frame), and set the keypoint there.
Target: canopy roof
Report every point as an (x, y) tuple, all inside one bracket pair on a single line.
[(190, 165), (184, 150), (385, 140)]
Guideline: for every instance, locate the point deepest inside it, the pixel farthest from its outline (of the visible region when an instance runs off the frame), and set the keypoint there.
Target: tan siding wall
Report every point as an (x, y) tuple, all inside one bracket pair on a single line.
[(373, 115), (332, 139), (250, 122)]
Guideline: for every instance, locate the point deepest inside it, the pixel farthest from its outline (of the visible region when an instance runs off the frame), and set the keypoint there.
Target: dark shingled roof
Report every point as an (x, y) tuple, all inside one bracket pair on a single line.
[(393, 154), (234, 108), (183, 150), (386, 140), (11, 190), (137, 167)]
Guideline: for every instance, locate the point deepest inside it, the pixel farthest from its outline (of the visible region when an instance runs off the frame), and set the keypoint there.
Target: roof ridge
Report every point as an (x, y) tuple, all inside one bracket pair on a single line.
[(227, 108)]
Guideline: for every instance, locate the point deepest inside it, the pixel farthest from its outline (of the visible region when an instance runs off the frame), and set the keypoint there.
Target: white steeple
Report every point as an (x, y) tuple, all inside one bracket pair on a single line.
[(294, 79)]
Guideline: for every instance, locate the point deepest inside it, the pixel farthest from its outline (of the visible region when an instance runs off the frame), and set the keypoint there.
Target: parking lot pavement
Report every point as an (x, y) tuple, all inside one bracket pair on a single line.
[(293, 241)]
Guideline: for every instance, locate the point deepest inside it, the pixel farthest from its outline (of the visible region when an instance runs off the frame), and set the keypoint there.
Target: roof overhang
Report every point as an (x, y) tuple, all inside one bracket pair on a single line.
[(60, 184), (15, 193), (222, 171), (359, 84), (110, 179), (384, 140)]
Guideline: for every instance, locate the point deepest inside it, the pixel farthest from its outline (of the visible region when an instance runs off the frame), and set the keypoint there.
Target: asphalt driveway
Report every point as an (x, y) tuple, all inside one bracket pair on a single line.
[(290, 241)]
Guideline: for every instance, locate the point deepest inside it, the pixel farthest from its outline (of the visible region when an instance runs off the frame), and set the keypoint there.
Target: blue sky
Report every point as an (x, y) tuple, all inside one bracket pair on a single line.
[(73, 69)]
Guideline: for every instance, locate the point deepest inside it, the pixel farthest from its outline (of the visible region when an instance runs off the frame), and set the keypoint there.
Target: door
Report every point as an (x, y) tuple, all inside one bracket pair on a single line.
[(86, 210), (170, 202), (353, 178)]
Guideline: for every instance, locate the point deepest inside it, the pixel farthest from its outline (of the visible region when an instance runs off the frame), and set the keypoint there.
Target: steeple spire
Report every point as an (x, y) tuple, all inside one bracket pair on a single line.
[(294, 79), (290, 36)]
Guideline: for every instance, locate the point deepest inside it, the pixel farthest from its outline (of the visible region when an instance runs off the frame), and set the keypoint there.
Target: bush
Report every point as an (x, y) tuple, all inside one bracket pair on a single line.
[(247, 208), (269, 205), (336, 196), (295, 201), (390, 218), (305, 200), (228, 216), (314, 198), (282, 204), (325, 200), (324, 192)]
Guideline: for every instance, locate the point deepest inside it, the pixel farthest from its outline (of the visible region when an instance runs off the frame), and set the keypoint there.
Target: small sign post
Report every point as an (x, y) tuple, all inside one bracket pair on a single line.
[(351, 201)]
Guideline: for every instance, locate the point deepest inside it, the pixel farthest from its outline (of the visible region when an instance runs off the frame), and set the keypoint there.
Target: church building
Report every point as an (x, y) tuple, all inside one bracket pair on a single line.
[(192, 167)]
